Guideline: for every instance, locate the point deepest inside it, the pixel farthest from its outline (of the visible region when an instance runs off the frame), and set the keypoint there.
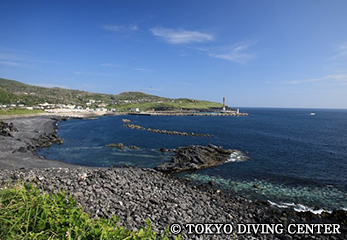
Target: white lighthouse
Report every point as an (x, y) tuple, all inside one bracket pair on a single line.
[(223, 104)]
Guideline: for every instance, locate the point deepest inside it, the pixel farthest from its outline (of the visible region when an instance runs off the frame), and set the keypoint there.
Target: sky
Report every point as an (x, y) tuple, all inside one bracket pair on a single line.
[(255, 53)]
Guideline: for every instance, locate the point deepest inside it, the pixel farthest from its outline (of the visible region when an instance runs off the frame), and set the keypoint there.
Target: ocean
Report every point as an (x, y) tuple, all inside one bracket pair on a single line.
[(295, 159)]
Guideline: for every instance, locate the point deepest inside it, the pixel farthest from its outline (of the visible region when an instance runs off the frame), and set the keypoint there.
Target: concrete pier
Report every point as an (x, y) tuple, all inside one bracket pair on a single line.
[(191, 114)]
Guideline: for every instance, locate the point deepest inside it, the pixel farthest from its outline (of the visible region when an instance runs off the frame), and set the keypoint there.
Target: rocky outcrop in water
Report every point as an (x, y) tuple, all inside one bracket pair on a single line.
[(45, 140), (121, 146), (134, 147), (115, 145), (124, 120), (197, 157)]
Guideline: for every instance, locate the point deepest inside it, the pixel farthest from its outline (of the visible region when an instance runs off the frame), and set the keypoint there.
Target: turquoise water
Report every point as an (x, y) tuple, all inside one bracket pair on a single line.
[(293, 157)]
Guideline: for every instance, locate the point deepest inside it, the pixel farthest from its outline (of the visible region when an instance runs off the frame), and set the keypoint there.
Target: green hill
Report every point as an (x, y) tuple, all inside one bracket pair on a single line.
[(14, 92)]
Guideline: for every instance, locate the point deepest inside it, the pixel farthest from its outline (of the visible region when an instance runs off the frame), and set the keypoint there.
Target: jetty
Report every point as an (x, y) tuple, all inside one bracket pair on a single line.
[(188, 113), (196, 114), (138, 127)]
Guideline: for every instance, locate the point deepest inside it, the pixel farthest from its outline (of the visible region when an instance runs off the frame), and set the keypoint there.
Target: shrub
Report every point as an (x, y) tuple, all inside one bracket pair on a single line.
[(26, 213)]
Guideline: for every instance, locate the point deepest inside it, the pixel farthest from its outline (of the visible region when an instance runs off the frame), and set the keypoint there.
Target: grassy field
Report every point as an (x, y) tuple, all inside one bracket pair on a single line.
[(16, 92), (168, 106), (20, 112)]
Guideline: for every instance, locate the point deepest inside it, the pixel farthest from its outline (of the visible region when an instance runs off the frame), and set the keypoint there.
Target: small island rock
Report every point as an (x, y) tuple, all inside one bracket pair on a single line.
[(116, 145), (196, 157)]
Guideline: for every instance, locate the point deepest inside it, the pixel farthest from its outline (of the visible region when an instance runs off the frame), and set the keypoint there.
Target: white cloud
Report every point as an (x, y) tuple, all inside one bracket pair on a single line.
[(342, 78), (51, 85), (110, 65), (120, 28), (180, 36), (92, 73), (179, 83), (143, 70), (20, 60), (16, 64), (235, 54), (10, 64), (154, 89), (9, 56), (341, 51), (12, 60)]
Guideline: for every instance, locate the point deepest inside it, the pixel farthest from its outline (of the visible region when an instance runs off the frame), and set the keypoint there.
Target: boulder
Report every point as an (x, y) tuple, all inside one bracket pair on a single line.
[(4, 129), (165, 150)]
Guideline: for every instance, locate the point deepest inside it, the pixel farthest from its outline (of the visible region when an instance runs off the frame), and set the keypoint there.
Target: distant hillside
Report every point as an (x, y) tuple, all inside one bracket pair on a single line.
[(14, 92)]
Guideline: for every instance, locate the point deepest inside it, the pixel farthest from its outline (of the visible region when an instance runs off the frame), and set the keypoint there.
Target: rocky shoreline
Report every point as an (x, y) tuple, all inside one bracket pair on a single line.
[(138, 194), (18, 143)]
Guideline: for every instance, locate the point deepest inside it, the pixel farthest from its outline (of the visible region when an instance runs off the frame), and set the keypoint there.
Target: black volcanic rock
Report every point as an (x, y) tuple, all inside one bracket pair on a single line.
[(4, 129), (134, 147), (21, 137), (115, 145), (135, 195), (197, 157)]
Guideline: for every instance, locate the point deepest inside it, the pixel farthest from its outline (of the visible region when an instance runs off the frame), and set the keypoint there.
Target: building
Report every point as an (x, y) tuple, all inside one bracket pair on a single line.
[(134, 110)]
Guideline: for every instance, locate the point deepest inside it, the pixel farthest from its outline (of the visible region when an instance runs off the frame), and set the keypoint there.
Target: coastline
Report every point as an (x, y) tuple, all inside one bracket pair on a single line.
[(80, 114), (139, 194), (19, 149)]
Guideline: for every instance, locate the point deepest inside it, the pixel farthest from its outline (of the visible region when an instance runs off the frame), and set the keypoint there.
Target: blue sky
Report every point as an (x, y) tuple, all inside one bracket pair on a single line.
[(255, 53)]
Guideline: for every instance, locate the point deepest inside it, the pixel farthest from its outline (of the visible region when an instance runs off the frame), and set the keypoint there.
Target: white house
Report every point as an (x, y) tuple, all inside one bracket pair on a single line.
[(134, 110)]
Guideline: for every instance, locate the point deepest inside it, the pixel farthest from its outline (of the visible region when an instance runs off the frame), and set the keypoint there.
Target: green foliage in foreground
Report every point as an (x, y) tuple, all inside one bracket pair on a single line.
[(26, 213), (20, 112)]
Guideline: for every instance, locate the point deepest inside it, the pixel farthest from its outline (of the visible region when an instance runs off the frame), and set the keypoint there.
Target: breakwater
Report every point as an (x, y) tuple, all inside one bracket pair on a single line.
[(138, 127), (167, 113)]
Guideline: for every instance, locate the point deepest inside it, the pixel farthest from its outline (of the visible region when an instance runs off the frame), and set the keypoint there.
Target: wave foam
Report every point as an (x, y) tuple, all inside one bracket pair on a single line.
[(299, 207), (237, 156)]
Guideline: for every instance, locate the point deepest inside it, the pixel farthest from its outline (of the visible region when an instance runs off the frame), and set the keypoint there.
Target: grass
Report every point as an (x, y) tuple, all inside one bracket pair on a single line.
[(168, 105), (20, 112), (16, 92), (26, 213)]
